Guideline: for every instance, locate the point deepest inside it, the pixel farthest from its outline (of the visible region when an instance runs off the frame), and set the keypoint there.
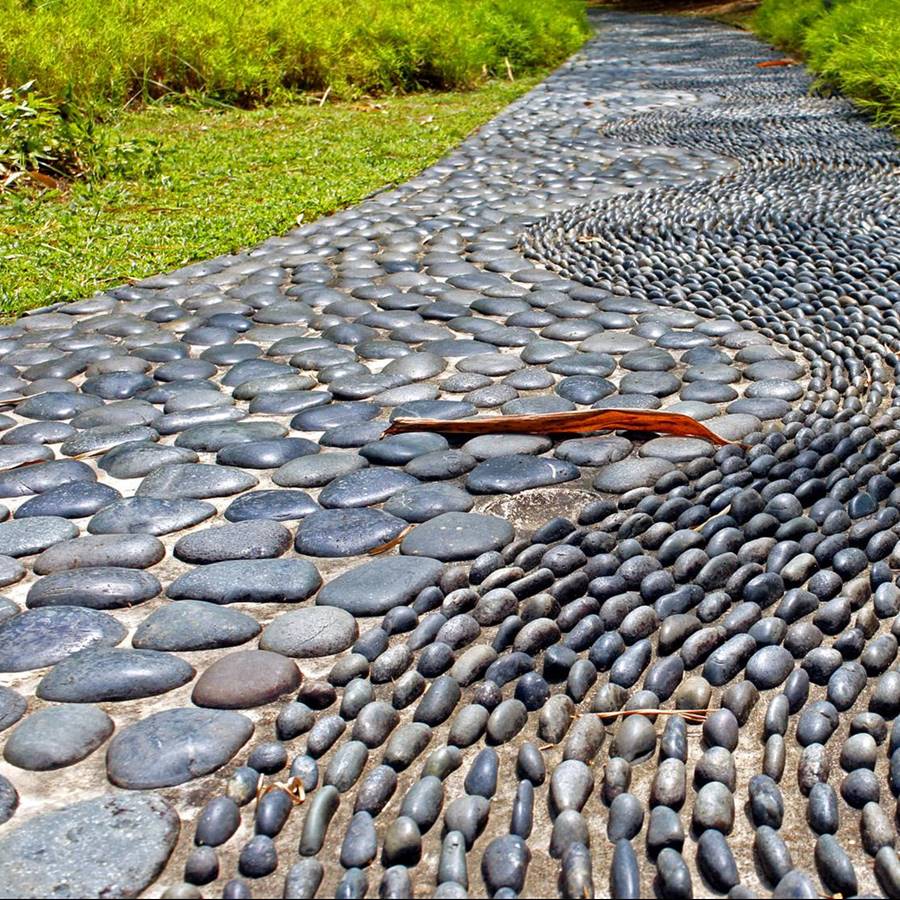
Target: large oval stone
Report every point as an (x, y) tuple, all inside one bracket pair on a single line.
[(149, 515), (195, 481), (194, 625), (455, 536), (254, 539), (111, 846), (42, 637), (130, 551), (56, 737), (628, 474), (518, 472), (23, 537), (375, 587), (101, 587), (346, 532), (174, 746), (310, 632), (246, 678), (107, 674), (248, 581)]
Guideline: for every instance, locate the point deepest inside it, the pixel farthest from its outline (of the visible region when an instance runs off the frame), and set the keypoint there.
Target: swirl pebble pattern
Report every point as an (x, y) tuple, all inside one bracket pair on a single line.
[(253, 648)]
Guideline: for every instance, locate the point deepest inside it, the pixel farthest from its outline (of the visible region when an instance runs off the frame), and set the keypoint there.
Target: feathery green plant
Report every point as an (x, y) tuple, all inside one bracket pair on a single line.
[(120, 52), (854, 45)]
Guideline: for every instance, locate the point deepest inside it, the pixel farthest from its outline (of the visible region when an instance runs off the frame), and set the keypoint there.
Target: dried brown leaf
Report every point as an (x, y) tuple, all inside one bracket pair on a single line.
[(565, 423), (383, 548)]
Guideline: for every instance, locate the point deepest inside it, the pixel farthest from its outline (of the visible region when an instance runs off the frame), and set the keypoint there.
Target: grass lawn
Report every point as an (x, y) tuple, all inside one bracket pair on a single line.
[(229, 179)]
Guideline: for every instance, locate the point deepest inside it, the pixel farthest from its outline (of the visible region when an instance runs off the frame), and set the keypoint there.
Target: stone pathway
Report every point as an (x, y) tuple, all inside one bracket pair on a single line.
[(193, 477)]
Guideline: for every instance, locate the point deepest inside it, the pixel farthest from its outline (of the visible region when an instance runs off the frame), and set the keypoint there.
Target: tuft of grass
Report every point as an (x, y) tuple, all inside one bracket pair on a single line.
[(39, 139), (786, 23), (229, 179), (97, 53), (854, 45)]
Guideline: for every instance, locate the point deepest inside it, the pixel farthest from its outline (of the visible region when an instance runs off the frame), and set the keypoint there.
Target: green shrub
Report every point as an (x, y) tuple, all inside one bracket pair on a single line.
[(854, 45), (785, 23), (30, 133), (117, 52), (54, 139)]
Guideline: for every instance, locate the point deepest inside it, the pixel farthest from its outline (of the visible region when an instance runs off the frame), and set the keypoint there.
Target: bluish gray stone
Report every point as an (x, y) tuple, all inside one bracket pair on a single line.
[(175, 746), (135, 460), (255, 539), (42, 477), (111, 846), (628, 474), (106, 674), (364, 488), (105, 437), (194, 625), (24, 537), (213, 437), (42, 637), (69, 501), (310, 632), (101, 587), (9, 800), (279, 506), (346, 532), (132, 551), (12, 707), (425, 501), (56, 737), (268, 454), (375, 587), (594, 451), (8, 609), (456, 536), (195, 481), (248, 581), (11, 571), (488, 446), (149, 515), (318, 470), (519, 472)]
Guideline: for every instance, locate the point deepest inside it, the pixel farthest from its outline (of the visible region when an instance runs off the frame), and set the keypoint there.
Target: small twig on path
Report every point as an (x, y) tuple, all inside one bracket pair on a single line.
[(325, 96), (692, 715)]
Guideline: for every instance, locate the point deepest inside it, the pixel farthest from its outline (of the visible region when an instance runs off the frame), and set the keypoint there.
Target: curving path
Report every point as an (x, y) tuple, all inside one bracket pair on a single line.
[(194, 632)]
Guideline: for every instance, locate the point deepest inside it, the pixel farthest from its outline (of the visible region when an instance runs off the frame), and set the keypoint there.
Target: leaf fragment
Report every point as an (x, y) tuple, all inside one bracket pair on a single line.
[(565, 423)]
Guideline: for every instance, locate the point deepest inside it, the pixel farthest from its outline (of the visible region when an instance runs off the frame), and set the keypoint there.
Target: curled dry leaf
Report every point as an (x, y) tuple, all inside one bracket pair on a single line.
[(383, 548), (44, 180), (565, 423), (769, 63), (293, 787)]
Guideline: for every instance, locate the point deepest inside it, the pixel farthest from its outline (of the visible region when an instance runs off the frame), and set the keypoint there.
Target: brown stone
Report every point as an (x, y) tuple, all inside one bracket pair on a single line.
[(246, 678)]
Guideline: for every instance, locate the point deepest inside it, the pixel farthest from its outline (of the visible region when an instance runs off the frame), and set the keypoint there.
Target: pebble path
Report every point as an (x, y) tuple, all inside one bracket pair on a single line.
[(193, 632)]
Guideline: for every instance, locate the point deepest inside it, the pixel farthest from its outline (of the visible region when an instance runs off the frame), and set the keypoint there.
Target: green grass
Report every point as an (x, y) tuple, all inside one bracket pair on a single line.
[(117, 52), (854, 46), (229, 179)]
